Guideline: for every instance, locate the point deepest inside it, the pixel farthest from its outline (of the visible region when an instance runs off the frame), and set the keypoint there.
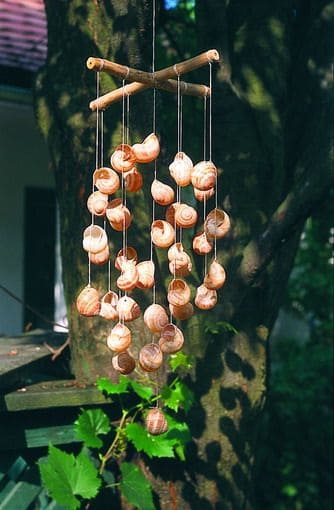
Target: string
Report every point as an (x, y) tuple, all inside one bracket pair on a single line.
[(210, 155), (96, 166), (154, 130), (122, 177), (204, 127)]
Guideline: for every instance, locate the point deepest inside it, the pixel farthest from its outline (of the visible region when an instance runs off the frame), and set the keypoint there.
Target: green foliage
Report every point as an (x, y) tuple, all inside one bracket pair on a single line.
[(178, 395), (153, 446), (135, 487), (90, 425), (219, 327)]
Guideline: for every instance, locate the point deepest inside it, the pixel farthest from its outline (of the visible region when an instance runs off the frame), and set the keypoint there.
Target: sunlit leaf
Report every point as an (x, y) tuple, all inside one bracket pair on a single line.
[(90, 424)]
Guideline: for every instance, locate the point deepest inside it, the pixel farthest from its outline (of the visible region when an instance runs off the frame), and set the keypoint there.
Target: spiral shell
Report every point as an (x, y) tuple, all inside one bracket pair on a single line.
[(118, 215), (125, 255), (185, 216), (99, 258), (204, 175), (178, 292), (205, 298), (150, 357), (155, 422), (170, 213), (182, 312), (181, 168), (94, 239), (171, 339), (216, 276), (88, 302), (133, 180), (148, 150), (106, 180), (123, 363), (145, 272), (162, 233), (128, 309), (155, 318), (129, 276), (119, 338), (217, 224), (108, 306), (97, 203), (204, 195), (123, 159), (162, 193), (201, 245), (179, 261)]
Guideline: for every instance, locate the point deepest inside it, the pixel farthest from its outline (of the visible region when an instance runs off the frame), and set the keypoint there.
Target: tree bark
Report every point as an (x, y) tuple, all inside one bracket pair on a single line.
[(271, 114)]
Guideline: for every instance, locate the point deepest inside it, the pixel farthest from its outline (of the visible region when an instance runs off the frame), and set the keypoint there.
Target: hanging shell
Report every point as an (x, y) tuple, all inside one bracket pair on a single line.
[(179, 261), (123, 363), (123, 159), (109, 306), (170, 213), (171, 339), (182, 312), (217, 224), (204, 175), (185, 216), (162, 193), (129, 277), (155, 318), (118, 215), (97, 203), (145, 272), (128, 309), (205, 298), (150, 357), (94, 239), (88, 302), (162, 233), (125, 255), (119, 338), (155, 422), (133, 180), (106, 180), (178, 292), (181, 169), (201, 245), (148, 150), (216, 276), (204, 195), (99, 258)]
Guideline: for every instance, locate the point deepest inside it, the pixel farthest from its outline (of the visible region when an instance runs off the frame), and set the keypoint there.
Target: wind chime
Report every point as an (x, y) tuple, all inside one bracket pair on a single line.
[(124, 177)]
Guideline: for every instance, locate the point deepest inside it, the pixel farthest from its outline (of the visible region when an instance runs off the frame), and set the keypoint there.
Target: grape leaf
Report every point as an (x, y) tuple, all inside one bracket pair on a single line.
[(179, 360), (66, 476), (135, 487), (179, 395), (89, 425), (179, 433), (111, 388), (145, 392), (153, 446)]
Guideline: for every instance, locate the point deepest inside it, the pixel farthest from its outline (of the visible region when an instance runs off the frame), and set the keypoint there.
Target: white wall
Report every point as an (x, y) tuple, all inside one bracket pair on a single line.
[(23, 162)]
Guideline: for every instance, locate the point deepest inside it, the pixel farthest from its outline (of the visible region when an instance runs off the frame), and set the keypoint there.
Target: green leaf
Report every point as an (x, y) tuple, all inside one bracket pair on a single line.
[(145, 392), (135, 487), (219, 327), (66, 476), (179, 433), (153, 446), (90, 424), (177, 395), (111, 388), (179, 360)]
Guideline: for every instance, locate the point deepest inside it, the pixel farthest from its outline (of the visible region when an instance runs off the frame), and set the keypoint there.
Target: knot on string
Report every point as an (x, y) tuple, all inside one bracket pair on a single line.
[(175, 70)]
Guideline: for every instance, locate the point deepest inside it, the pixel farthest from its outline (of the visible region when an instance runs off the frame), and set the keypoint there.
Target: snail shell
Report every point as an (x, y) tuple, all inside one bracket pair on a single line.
[(133, 180), (162, 193), (175, 251), (100, 257), (150, 357), (216, 276), (118, 215), (97, 203), (106, 180), (204, 195), (182, 312), (155, 318), (129, 277), (170, 213), (145, 272), (171, 339), (127, 254), (205, 298), (180, 263), (201, 245), (108, 306), (128, 309), (162, 233), (119, 338), (148, 150), (123, 363), (155, 422), (204, 175), (181, 168), (94, 239), (178, 292), (217, 224), (185, 216), (123, 158), (88, 303)]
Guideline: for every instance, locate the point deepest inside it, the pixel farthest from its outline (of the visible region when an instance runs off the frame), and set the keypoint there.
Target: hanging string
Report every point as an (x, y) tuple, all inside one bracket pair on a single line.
[(204, 127), (210, 154), (153, 129)]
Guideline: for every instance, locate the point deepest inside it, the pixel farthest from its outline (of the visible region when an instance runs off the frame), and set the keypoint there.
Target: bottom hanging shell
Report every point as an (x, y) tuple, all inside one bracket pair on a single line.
[(88, 302), (155, 422), (123, 363), (150, 357)]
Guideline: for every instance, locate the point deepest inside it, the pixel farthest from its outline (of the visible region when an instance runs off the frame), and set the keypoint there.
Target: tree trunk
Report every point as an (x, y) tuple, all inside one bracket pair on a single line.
[(270, 120)]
